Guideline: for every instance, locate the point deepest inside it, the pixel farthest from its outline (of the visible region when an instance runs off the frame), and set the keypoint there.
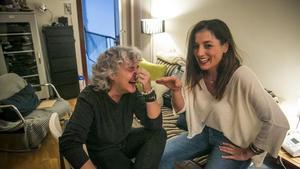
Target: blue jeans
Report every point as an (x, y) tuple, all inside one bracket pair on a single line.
[(181, 148)]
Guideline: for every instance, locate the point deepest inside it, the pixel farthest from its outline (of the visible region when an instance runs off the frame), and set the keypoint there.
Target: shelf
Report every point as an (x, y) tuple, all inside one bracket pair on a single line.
[(17, 52), (20, 49), (14, 34), (29, 76)]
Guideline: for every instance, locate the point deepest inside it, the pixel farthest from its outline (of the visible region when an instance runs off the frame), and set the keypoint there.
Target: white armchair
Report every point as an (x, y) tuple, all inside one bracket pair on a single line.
[(27, 131)]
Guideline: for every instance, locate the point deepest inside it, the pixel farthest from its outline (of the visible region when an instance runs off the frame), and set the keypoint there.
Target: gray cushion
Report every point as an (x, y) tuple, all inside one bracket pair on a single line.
[(10, 84)]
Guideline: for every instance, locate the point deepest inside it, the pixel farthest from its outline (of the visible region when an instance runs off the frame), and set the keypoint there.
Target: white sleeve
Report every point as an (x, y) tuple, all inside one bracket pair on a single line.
[(274, 122)]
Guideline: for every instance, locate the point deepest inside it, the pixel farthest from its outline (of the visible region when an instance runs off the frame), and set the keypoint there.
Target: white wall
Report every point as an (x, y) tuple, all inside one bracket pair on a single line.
[(267, 33), (57, 9)]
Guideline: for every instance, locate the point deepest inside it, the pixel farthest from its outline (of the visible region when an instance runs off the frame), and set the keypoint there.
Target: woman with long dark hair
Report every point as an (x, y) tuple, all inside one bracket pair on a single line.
[(228, 113)]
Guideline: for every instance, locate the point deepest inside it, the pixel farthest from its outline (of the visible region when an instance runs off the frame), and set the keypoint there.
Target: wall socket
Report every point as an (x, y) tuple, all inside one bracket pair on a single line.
[(67, 8)]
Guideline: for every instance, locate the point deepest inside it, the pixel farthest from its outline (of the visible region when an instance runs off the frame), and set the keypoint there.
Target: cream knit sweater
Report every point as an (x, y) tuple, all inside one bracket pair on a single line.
[(246, 114)]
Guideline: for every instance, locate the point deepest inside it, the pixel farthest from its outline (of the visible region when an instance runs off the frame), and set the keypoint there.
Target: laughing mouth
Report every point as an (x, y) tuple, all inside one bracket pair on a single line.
[(203, 60), (133, 80)]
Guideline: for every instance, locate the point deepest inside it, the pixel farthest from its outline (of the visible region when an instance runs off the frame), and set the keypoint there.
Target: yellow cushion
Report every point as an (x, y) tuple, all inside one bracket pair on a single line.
[(156, 70)]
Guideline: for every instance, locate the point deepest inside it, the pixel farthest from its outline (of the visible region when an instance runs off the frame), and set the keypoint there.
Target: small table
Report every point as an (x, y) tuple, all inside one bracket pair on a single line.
[(288, 160)]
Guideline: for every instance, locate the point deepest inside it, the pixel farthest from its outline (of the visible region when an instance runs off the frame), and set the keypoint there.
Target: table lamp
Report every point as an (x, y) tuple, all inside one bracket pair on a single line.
[(151, 27)]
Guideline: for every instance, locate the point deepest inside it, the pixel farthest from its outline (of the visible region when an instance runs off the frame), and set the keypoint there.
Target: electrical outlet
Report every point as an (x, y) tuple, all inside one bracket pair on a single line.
[(67, 8)]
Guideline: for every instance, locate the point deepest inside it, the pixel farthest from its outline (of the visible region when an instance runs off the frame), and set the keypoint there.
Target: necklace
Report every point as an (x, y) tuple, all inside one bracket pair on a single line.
[(210, 85), (209, 80)]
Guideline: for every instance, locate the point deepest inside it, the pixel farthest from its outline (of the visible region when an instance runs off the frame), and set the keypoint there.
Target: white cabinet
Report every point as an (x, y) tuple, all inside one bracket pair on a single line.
[(20, 49)]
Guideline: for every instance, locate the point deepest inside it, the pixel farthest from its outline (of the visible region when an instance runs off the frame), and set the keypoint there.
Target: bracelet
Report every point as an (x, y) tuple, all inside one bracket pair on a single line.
[(145, 93), (150, 96), (255, 149)]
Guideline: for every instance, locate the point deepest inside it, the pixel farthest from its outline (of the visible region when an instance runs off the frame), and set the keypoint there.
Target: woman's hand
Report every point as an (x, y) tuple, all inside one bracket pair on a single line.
[(174, 84), (144, 78), (235, 153), (171, 82)]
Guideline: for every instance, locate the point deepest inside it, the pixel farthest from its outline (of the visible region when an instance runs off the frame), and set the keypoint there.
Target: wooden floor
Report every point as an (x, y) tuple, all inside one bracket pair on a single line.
[(46, 157)]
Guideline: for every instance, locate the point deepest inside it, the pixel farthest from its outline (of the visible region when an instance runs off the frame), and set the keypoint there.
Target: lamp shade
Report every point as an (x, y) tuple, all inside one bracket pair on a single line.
[(152, 26)]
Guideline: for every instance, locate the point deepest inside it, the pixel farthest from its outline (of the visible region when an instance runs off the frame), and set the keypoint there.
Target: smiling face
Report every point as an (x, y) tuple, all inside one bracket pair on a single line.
[(124, 80), (208, 50)]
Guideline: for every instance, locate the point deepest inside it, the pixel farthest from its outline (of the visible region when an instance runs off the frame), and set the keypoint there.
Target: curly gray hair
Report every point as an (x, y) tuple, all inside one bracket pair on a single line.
[(108, 64)]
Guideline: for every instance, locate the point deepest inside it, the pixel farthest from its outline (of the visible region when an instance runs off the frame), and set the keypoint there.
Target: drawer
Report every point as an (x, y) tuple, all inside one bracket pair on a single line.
[(62, 78), (63, 64), (58, 31), (60, 50), (68, 91), (60, 39)]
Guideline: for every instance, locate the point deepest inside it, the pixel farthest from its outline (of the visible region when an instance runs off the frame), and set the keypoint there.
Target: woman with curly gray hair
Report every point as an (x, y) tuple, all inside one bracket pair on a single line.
[(104, 113), (108, 63)]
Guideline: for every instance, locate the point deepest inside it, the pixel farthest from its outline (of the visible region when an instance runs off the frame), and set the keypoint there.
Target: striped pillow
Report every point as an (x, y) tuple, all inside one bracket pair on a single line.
[(172, 68)]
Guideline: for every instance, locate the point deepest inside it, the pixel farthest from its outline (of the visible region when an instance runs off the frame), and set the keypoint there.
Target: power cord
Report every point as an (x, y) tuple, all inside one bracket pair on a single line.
[(281, 163)]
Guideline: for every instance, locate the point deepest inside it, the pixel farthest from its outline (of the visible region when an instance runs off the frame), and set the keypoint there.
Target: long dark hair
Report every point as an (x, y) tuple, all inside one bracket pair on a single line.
[(228, 64)]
